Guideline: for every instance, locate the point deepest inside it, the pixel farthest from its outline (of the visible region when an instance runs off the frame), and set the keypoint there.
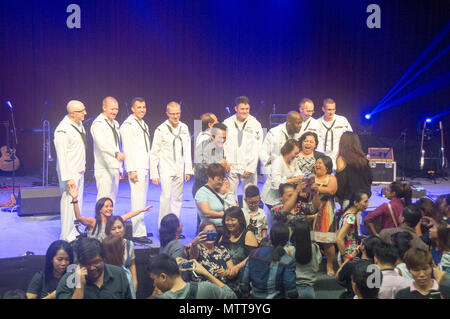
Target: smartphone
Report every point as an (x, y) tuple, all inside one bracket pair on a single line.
[(187, 265), (210, 236), (425, 222), (435, 295)]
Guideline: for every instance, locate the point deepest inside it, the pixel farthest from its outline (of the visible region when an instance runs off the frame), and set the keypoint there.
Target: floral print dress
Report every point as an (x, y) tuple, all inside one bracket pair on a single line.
[(350, 239)]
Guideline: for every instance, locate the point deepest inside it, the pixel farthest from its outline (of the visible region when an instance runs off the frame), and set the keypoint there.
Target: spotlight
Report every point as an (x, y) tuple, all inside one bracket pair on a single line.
[(428, 120), (368, 116)]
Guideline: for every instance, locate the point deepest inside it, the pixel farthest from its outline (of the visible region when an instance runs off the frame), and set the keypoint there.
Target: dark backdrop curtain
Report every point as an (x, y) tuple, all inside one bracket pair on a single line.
[(204, 53)]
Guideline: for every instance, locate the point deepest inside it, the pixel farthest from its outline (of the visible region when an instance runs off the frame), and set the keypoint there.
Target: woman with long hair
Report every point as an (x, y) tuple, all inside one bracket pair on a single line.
[(213, 256), (238, 240), (169, 233), (430, 215), (402, 243), (307, 256), (58, 257), (115, 226), (324, 225), (270, 272), (440, 239), (282, 170), (103, 211), (114, 250), (353, 172), (347, 236), (400, 195)]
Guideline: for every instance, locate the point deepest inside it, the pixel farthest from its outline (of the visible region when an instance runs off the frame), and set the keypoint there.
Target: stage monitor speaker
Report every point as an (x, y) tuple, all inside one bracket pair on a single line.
[(39, 201)]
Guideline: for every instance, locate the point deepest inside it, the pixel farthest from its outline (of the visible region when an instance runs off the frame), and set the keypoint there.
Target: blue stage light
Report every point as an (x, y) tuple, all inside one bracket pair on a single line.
[(368, 116), (428, 120)]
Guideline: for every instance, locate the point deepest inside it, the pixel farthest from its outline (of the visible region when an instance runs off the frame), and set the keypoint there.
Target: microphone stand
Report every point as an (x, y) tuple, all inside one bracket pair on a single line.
[(13, 148), (402, 135)]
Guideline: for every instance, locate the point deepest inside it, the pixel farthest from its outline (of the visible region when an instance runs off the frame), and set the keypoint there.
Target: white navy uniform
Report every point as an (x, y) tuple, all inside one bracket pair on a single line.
[(331, 133), (170, 161), (107, 168), (273, 142), (279, 174), (243, 144), (70, 145), (311, 125), (136, 147)]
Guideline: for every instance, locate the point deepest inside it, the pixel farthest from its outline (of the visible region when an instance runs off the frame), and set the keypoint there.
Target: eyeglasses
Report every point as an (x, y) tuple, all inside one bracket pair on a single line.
[(82, 111)]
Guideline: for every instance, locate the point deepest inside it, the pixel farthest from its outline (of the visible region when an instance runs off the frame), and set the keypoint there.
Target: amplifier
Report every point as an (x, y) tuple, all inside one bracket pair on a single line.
[(383, 172), (39, 201)]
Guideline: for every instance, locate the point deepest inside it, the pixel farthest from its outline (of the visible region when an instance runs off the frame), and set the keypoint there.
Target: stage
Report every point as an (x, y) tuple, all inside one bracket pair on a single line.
[(35, 233)]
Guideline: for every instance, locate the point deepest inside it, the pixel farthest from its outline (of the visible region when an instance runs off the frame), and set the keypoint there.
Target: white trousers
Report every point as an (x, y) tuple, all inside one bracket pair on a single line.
[(68, 230), (234, 179), (171, 197), (139, 191), (107, 181)]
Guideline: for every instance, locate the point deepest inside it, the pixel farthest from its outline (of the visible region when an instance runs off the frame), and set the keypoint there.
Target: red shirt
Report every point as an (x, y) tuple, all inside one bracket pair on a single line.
[(382, 212)]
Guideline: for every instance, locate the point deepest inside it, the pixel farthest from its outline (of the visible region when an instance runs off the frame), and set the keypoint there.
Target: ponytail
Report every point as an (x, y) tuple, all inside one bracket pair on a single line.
[(279, 236), (402, 190)]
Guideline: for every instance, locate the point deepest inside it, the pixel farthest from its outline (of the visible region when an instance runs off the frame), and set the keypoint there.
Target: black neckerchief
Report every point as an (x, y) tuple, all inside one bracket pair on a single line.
[(116, 136), (146, 134), (326, 136)]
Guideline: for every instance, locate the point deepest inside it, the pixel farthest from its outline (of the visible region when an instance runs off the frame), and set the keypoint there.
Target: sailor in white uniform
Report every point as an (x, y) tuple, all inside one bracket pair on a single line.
[(332, 126), (136, 147), (170, 160), (244, 140), (107, 154), (277, 137), (70, 145), (309, 124)]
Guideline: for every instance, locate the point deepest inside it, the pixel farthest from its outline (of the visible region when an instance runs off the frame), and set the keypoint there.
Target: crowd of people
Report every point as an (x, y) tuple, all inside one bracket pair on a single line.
[(317, 190)]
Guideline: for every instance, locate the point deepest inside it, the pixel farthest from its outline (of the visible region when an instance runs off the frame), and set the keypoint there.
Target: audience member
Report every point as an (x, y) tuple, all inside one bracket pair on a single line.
[(214, 257), (307, 259), (115, 226), (114, 251), (292, 206), (254, 215), (227, 195), (270, 272), (308, 155), (169, 233), (347, 237), (402, 243), (443, 203), (238, 240), (103, 212), (385, 259), (361, 276), (440, 239), (363, 254), (58, 257), (420, 265), (283, 170), (411, 216), (210, 205), (93, 279), (324, 227), (389, 213), (353, 172), (166, 276), (430, 214)]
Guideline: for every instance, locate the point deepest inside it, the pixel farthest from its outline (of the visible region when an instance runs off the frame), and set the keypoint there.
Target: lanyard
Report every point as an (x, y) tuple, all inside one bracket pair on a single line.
[(174, 140), (116, 137), (240, 133), (83, 135), (326, 136), (146, 134)]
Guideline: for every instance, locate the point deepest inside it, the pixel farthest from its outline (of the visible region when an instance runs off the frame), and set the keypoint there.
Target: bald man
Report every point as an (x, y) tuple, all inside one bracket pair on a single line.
[(277, 137), (310, 124), (170, 160), (107, 154), (70, 145)]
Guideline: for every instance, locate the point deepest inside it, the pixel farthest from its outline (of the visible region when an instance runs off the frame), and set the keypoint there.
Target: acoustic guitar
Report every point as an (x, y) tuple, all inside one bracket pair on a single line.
[(7, 164)]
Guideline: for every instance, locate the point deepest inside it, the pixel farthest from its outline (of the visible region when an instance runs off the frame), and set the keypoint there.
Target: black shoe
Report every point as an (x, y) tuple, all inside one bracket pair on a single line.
[(149, 234), (142, 240), (181, 236)]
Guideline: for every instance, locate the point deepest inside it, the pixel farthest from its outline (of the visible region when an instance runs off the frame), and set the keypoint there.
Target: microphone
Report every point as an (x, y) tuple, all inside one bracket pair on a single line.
[(9, 104)]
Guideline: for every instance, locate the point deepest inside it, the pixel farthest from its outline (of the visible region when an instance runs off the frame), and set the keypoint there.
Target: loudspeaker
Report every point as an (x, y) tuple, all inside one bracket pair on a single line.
[(39, 201), (383, 172)]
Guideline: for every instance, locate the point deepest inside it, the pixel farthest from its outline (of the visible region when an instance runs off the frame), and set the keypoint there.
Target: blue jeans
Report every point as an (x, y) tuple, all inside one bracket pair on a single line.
[(306, 292)]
